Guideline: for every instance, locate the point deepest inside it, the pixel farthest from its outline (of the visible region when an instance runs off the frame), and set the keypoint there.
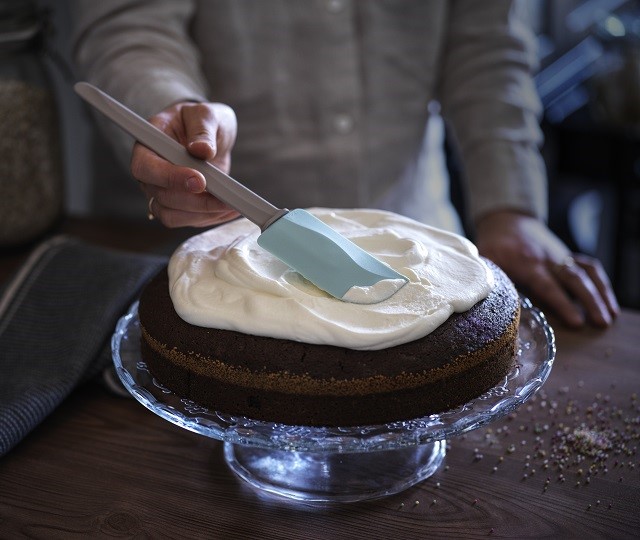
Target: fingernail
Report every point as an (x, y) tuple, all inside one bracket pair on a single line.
[(194, 184), (202, 148)]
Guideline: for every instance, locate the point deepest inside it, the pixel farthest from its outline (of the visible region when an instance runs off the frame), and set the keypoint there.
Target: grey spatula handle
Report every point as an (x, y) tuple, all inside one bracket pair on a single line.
[(219, 184)]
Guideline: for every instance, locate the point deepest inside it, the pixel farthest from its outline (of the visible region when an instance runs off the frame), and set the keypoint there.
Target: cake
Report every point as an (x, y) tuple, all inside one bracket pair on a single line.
[(230, 327)]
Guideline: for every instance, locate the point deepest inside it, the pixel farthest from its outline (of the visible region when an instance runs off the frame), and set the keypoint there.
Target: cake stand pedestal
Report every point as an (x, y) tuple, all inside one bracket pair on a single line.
[(334, 476), (342, 464)]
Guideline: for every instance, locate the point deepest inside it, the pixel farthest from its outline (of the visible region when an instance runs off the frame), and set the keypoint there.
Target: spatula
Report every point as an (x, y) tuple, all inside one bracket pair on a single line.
[(303, 242)]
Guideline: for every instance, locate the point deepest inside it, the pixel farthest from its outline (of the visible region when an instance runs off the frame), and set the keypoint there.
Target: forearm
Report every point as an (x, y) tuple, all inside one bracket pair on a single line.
[(490, 102)]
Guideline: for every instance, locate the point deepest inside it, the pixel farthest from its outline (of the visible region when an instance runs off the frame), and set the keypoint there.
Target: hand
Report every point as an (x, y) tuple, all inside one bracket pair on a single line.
[(575, 287), (177, 195)]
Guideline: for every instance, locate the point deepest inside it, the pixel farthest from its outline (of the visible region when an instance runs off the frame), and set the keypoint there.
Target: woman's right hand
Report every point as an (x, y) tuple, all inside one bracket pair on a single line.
[(177, 195)]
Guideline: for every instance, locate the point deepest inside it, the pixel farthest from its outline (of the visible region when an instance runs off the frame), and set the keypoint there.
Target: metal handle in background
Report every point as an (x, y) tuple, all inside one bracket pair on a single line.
[(219, 184)]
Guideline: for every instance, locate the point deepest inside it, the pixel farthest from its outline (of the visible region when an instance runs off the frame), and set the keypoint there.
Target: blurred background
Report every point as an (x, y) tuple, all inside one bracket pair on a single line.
[(588, 79), (589, 82)]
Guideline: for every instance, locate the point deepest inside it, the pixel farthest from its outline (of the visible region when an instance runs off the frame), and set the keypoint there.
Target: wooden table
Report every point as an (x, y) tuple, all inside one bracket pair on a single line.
[(104, 466)]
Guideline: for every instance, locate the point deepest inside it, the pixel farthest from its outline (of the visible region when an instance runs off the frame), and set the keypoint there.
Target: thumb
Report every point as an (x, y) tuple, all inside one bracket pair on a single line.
[(201, 130)]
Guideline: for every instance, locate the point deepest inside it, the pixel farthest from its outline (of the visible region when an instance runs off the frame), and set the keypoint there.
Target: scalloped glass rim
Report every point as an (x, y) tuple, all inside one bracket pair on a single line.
[(536, 353)]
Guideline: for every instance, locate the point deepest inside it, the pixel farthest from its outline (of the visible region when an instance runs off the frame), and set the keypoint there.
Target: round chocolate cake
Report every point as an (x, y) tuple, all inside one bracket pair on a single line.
[(433, 346)]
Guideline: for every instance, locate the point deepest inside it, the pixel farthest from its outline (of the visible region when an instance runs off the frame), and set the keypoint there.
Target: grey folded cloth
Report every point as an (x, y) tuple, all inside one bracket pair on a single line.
[(57, 316)]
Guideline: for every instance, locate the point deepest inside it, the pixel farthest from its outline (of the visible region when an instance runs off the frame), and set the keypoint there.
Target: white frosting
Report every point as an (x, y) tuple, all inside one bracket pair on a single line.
[(373, 294), (222, 279)]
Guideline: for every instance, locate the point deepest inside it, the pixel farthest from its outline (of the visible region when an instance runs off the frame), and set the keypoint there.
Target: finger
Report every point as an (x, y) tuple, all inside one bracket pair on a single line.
[(599, 277), (546, 288), (203, 203), (173, 218), (149, 168), (580, 285)]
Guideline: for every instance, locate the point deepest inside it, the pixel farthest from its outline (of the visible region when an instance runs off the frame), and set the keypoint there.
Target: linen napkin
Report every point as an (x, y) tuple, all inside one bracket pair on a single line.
[(57, 316)]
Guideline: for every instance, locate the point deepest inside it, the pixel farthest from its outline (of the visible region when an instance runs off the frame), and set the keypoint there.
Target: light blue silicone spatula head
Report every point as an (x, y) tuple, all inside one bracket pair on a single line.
[(303, 242), (329, 260)]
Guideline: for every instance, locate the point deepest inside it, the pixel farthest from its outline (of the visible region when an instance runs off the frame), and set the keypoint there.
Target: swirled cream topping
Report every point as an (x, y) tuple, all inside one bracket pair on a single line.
[(222, 279)]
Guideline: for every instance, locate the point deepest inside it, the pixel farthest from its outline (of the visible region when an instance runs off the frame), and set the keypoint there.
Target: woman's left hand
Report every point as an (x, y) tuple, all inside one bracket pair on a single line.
[(574, 286)]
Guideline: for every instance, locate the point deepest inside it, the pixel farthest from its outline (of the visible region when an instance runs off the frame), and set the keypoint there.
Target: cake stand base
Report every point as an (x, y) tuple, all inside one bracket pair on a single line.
[(334, 477)]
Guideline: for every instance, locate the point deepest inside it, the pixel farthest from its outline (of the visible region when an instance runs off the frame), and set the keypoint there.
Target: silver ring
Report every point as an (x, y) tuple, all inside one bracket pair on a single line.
[(150, 215)]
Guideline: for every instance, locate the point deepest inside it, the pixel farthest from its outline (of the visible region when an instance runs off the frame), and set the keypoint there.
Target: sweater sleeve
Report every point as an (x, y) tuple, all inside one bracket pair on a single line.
[(140, 52), (490, 101)]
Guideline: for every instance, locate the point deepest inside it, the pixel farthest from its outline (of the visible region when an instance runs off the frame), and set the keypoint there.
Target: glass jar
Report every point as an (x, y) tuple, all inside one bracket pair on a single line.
[(31, 177)]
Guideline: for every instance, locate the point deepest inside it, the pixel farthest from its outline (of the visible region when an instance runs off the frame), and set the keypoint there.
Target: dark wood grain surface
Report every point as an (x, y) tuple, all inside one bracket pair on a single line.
[(564, 465)]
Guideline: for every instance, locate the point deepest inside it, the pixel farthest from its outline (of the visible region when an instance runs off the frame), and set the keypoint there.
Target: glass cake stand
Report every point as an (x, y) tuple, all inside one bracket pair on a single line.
[(341, 464)]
